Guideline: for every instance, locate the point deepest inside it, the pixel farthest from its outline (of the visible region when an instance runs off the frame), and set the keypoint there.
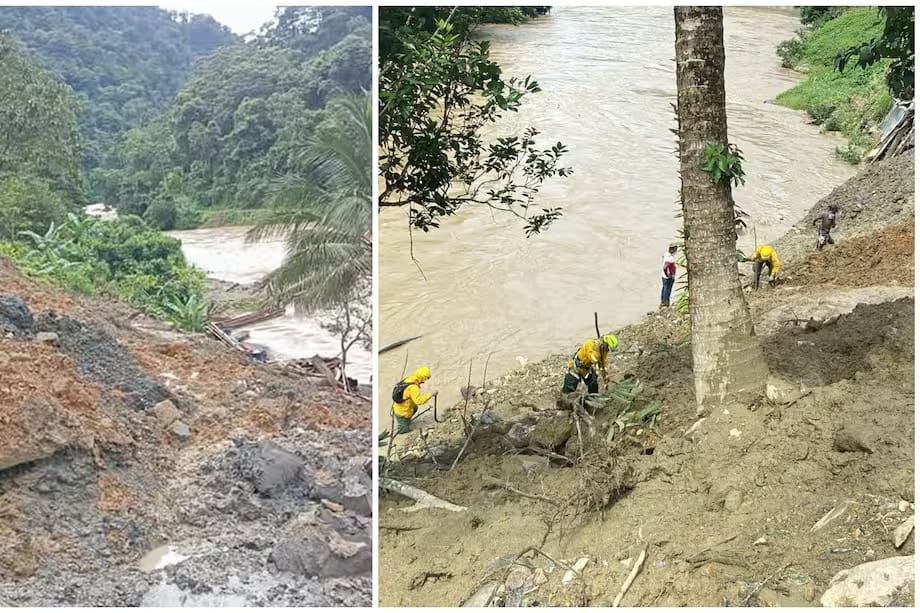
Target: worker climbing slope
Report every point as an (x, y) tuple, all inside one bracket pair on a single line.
[(408, 396), (765, 256), (590, 357), (826, 221)]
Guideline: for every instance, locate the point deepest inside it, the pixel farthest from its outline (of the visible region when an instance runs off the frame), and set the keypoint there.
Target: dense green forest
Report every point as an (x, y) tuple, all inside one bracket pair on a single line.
[(177, 115), (125, 64)]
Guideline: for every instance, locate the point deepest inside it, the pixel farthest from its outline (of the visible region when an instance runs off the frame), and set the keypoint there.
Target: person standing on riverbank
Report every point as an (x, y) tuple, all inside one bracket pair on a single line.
[(591, 356), (669, 273), (765, 255), (408, 396)]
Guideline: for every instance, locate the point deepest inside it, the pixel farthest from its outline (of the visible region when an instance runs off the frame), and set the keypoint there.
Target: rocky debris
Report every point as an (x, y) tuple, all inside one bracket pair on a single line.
[(873, 584), (520, 432), (47, 337), (519, 577), (902, 532), (101, 359), (15, 317), (482, 597), (578, 566), (553, 432), (166, 413), (314, 549), (849, 440), (271, 469), (181, 429), (832, 516)]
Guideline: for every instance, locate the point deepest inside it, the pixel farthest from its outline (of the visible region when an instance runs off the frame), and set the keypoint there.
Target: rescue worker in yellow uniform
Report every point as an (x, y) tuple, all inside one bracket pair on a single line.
[(765, 256), (408, 396), (591, 356)]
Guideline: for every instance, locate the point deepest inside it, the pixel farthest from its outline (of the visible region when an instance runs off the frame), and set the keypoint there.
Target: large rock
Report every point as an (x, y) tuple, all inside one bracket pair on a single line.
[(849, 440), (553, 432), (166, 413), (313, 549), (273, 469), (15, 317), (873, 584)]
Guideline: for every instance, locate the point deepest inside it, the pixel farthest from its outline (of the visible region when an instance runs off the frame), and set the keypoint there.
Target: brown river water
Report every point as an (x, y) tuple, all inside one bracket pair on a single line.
[(224, 254), (608, 79)]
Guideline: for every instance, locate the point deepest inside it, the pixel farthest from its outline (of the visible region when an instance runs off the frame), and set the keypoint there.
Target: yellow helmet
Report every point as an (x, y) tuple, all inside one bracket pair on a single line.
[(422, 374), (612, 341)]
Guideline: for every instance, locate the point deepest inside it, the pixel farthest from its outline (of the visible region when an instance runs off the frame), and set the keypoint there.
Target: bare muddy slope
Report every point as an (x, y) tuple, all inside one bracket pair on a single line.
[(143, 467)]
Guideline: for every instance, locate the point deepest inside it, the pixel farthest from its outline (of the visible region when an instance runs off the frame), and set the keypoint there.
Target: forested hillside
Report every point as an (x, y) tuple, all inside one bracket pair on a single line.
[(125, 64), (177, 114)]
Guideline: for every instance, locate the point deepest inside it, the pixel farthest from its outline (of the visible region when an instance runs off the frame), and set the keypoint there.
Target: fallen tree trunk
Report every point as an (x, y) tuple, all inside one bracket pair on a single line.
[(423, 500)]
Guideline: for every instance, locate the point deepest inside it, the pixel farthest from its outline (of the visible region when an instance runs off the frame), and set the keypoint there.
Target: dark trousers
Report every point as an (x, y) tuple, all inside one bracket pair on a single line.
[(758, 269), (667, 284), (403, 424), (570, 384)]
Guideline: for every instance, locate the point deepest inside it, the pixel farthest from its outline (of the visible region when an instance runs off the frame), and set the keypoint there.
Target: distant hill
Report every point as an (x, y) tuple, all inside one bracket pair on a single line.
[(126, 64)]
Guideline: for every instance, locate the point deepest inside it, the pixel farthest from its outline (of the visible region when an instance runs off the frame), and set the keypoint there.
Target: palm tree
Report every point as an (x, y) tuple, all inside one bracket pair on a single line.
[(727, 358), (325, 215)]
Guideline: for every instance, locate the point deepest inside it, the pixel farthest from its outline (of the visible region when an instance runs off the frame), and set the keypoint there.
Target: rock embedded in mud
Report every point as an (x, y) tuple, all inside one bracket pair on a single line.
[(733, 500), (181, 429), (552, 433), (273, 469), (482, 597), (316, 550), (15, 317), (47, 337), (848, 440), (519, 434), (166, 413), (873, 584), (902, 532), (518, 578)]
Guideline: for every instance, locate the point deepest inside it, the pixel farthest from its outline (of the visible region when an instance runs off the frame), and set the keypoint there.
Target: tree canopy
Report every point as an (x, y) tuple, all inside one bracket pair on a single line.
[(39, 151), (125, 63), (243, 119), (438, 90)]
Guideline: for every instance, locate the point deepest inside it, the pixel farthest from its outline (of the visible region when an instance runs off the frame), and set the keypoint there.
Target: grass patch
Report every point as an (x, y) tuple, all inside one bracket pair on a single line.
[(852, 102)]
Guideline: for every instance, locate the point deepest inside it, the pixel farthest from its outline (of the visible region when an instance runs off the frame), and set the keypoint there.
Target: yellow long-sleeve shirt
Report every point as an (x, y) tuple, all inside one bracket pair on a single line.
[(412, 395), (593, 352), (766, 253)]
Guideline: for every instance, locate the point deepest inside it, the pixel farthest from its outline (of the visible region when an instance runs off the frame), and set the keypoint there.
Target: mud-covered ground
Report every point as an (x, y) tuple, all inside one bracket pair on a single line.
[(727, 510), (139, 466)]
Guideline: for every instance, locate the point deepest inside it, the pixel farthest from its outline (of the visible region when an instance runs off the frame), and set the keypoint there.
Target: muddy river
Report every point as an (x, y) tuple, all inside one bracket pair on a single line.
[(225, 255), (608, 80)]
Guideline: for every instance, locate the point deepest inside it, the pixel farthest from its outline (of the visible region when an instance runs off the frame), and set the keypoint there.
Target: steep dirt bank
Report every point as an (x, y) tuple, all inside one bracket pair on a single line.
[(141, 466), (725, 509)]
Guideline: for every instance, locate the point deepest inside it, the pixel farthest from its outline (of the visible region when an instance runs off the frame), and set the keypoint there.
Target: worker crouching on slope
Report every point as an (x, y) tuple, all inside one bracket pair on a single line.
[(765, 256), (408, 396), (590, 357)]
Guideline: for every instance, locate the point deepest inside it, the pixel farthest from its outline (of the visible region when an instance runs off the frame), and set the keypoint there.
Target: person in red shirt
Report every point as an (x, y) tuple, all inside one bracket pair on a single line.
[(669, 272)]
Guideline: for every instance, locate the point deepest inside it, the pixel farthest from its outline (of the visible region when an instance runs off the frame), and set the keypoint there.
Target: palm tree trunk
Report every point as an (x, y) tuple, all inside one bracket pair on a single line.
[(727, 357)]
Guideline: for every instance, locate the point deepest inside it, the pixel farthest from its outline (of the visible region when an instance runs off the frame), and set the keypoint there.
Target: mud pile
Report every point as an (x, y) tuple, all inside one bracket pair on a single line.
[(880, 196), (143, 467), (881, 257)]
